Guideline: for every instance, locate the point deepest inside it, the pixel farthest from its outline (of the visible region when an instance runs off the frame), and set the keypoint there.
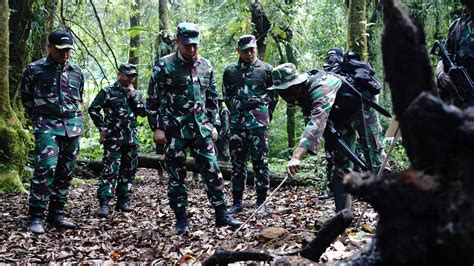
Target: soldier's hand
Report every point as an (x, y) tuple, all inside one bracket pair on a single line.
[(159, 136), (214, 134), (103, 135), (445, 83), (130, 90), (293, 167)]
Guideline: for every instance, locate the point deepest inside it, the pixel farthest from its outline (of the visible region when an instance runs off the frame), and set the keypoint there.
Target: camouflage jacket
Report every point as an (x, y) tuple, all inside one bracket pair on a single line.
[(244, 88), (182, 97), (51, 96), (316, 102), (120, 110), (460, 41)]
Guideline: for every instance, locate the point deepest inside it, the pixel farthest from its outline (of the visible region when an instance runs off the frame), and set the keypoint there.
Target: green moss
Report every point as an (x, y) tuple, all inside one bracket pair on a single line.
[(10, 181)]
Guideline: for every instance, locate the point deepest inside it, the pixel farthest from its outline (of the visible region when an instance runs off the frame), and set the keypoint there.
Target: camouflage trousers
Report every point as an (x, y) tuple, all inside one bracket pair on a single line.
[(222, 149), (339, 165), (203, 152), (372, 145), (120, 166), (55, 159), (242, 143)]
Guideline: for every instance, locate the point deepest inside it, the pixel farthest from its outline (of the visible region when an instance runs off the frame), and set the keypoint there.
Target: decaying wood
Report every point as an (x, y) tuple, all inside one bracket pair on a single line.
[(157, 162), (224, 257), (330, 230)]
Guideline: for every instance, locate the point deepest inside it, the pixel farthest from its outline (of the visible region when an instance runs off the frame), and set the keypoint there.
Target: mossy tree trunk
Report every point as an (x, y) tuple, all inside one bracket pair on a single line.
[(357, 28), (261, 28), (133, 56), (12, 137), (19, 26)]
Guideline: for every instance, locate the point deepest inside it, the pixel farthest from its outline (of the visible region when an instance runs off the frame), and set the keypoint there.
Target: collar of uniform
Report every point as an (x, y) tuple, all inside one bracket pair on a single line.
[(49, 61), (243, 65), (179, 57), (118, 85)]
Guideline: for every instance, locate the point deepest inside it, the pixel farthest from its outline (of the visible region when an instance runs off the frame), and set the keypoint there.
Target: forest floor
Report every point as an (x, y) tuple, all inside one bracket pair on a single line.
[(147, 234)]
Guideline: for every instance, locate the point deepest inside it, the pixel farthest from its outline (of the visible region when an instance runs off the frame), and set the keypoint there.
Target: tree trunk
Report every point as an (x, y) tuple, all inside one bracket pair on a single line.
[(357, 32), (133, 57), (290, 108), (157, 162), (261, 27), (165, 43), (12, 137), (19, 24)]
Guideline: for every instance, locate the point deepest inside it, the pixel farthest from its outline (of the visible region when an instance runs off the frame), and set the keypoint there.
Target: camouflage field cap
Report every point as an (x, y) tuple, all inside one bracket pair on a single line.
[(61, 39), (285, 76), (128, 69), (188, 33), (246, 41)]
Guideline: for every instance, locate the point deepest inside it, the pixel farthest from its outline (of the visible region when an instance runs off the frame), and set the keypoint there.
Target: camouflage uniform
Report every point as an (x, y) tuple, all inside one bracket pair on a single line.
[(121, 144), (250, 104), (182, 101), (51, 96), (222, 143), (317, 100), (459, 45)]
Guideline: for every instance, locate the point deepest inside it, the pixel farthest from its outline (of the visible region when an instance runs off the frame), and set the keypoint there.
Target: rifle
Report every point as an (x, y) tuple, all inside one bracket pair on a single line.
[(458, 74), (332, 133)]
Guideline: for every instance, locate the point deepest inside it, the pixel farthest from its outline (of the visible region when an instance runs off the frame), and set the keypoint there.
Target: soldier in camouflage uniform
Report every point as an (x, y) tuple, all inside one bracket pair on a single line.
[(121, 105), (222, 142), (51, 90), (460, 46), (251, 104), (183, 112), (316, 93)]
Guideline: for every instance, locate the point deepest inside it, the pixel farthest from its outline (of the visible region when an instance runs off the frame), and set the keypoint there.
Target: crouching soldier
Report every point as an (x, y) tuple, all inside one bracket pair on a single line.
[(121, 105)]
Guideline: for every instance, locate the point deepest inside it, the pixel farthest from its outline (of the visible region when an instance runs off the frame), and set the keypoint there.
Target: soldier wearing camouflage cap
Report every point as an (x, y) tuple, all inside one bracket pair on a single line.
[(121, 105), (183, 113), (245, 90), (51, 91), (316, 93)]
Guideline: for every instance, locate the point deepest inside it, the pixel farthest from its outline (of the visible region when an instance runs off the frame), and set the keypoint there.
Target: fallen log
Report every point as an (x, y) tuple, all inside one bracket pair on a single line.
[(157, 162)]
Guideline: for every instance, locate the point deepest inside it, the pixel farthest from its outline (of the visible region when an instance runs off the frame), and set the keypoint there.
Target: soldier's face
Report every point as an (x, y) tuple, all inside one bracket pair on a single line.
[(292, 93), (188, 51), (248, 55), (126, 80), (60, 56)]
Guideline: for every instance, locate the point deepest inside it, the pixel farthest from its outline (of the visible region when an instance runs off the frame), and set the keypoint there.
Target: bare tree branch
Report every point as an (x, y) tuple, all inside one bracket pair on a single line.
[(103, 33)]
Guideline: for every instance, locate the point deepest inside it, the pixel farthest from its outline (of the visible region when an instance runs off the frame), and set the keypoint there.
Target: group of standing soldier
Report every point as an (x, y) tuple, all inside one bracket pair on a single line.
[(183, 109)]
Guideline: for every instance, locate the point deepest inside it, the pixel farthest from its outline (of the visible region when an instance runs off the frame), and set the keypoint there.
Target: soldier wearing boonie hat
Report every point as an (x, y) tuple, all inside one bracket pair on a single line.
[(180, 120), (121, 105), (316, 93), (251, 104), (51, 91)]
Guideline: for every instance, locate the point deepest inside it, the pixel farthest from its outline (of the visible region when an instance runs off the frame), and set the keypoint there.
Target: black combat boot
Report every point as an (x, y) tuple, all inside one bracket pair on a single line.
[(261, 197), (56, 216), (182, 226), (104, 207), (35, 221), (122, 205), (224, 219), (237, 203)]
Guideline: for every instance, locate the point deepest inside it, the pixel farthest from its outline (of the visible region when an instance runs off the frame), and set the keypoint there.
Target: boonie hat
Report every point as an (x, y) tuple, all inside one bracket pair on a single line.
[(188, 33), (285, 76), (246, 41), (61, 39), (128, 69)]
